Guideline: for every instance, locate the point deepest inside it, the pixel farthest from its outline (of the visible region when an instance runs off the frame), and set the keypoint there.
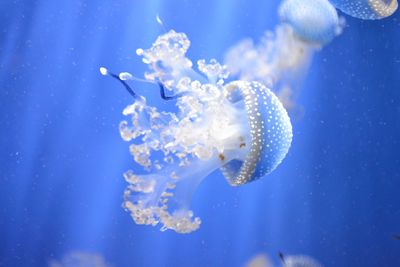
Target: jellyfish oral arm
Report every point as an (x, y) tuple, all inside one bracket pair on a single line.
[(164, 96), (165, 197), (106, 72)]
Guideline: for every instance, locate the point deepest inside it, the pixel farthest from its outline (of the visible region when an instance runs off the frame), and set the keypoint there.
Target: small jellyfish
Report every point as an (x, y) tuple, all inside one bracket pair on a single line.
[(262, 260), (80, 259), (259, 260), (298, 261), (367, 9), (240, 128), (312, 20)]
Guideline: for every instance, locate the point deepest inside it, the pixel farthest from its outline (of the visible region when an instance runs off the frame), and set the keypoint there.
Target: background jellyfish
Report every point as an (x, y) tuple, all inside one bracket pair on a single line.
[(262, 260), (80, 259), (259, 260), (367, 9), (281, 58), (313, 20), (240, 127), (300, 261)]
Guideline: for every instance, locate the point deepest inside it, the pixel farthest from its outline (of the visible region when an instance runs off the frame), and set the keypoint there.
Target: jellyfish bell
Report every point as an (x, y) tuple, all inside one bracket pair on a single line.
[(270, 134), (240, 128), (367, 9), (314, 21)]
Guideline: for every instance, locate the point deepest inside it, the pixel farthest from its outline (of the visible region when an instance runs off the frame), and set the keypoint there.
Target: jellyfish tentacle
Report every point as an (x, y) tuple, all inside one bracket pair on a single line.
[(106, 72), (282, 257), (164, 96), (171, 97)]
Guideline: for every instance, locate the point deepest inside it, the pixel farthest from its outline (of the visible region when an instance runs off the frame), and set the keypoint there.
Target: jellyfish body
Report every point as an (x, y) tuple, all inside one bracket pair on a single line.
[(312, 20), (239, 127), (367, 9)]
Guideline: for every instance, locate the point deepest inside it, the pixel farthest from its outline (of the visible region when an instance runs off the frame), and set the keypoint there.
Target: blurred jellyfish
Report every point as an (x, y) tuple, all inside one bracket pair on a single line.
[(300, 261), (312, 20), (281, 58), (240, 128), (279, 61), (80, 259), (259, 260), (367, 9), (262, 260)]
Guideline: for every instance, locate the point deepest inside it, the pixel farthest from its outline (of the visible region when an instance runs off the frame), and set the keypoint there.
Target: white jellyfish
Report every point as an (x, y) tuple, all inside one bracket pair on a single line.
[(262, 260), (281, 58), (240, 128), (300, 261), (80, 259), (259, 260), (367, 9)]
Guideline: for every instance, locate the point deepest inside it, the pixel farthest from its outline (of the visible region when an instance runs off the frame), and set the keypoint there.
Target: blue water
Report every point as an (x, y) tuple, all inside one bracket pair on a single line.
[(335, 197)]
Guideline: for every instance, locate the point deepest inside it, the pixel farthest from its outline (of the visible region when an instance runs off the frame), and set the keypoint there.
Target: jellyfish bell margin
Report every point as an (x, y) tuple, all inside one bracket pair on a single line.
[(240, 128)]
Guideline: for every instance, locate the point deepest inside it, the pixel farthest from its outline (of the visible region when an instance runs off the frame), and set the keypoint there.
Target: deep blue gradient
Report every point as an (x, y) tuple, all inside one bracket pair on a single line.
[(335, 197)]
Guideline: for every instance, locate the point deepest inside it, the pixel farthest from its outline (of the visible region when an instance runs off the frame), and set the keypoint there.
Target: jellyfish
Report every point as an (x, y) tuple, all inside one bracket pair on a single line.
[(282, 57), (312, 20), (367, 9), (259, 260), (262, 260), (80, 259), (239, 127), (299, 261), (278, 61)]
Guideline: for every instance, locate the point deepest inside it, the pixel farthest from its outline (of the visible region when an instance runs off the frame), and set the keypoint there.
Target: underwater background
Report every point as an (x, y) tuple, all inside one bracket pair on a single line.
[(335, 197)]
